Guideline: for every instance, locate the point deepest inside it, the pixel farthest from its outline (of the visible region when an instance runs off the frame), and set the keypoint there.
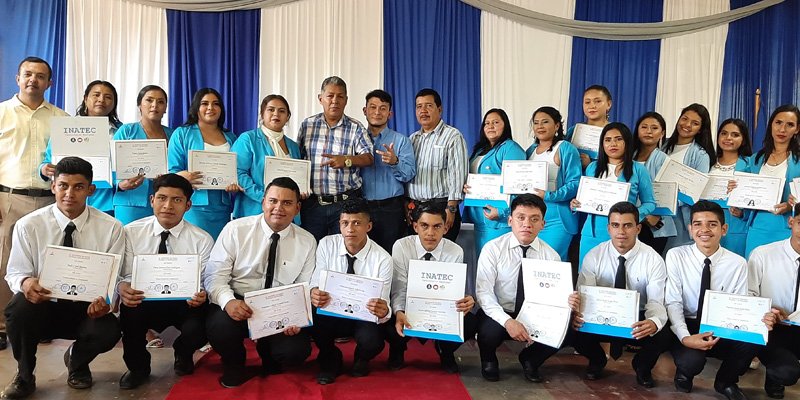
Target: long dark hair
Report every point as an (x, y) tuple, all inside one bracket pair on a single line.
[(746, 149), (113, 118), (483, 146), (557, 118), (627, 156), (769, 142), (637, 144), (194, 108), (703, 137)]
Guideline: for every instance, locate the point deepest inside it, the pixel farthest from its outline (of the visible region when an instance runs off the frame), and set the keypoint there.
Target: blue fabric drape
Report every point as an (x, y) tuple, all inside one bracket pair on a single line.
[(218, 50), (762, 51), (629, 69), (436, 45), (33, 28)]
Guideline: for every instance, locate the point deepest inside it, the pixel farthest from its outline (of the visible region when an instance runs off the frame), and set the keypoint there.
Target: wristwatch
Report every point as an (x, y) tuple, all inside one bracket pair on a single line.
[(348, 162), (452, 209)]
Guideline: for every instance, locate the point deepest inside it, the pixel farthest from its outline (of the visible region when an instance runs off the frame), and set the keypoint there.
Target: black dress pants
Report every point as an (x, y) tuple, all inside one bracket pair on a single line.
[(781, 354), (368, 336), (646, 358)]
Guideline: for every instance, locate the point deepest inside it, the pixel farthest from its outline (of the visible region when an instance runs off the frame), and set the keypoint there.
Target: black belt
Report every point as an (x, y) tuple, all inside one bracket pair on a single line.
[(327, 199), (27, 192), (384, 202)]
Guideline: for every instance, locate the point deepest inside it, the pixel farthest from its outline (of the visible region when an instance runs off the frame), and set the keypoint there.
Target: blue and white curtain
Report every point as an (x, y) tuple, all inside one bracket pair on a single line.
[(477, 58)]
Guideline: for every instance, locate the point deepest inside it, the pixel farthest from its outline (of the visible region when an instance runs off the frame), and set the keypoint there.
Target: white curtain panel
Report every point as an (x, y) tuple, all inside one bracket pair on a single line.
[(524, 68), (690, 68), (304, 42), (117, 41)]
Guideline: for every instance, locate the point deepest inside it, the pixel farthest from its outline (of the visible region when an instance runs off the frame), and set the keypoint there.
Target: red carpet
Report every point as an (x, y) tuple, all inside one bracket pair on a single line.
[(421, 379)]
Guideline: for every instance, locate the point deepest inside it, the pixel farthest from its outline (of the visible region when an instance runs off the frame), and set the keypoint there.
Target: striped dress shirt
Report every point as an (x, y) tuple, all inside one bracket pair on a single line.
[(441, 164)]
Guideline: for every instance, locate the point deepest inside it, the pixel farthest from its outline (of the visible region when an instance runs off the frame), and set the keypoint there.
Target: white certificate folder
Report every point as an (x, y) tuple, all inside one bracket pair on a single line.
[(80, 275), (433, 289), (609, 311)]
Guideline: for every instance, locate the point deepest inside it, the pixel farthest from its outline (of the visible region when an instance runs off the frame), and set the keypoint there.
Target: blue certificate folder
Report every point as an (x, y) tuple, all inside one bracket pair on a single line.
[(609, 311), (607, 330), (734, 334), (735, 317), (500, 204), (433, 335)]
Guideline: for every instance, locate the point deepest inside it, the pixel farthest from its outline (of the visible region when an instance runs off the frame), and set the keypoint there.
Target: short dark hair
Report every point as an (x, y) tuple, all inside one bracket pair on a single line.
[(382, 95), (286, 183), (796, 210), (37, 60), (601, 88), (708, 206), (529, 200), (173, 181), (74, 166), (148, 88), (429, 207), (335, 81), (356, 205), (625, 207), (429, 92)]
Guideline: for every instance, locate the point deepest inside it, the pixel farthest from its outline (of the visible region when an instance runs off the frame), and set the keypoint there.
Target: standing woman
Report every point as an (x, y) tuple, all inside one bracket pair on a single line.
[(596, 108), (494, 146), (203, 130), (132, 199), (690, 145), (563, 176), (615, 163), (733, 150), (252, 146), (650, 129)]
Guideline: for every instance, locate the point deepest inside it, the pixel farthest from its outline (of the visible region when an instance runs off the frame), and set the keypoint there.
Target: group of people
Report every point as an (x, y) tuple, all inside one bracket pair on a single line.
[(377, 200)]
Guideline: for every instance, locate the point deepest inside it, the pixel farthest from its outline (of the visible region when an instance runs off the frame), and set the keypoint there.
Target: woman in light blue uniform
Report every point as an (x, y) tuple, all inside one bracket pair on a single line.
[(132, 198), (615, 163), (733, 149), (494, 146), (650, 129), (690, 144), (596, 108), (779, 157), (252, 146), (203, 130), (564, 174)]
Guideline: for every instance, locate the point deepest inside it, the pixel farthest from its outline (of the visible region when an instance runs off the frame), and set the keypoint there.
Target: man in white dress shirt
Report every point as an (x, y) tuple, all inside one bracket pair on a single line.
[(774, 272), (352, 252), (165, 232), (626, 263), (254, 253), (428, 244), (692, 269), (31, 315)]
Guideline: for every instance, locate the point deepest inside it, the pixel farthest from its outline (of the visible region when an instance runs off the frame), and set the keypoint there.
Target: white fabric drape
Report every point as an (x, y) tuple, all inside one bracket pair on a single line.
[(304, 42), (524, 68), (117, 41), (690, 67), (212, 5)]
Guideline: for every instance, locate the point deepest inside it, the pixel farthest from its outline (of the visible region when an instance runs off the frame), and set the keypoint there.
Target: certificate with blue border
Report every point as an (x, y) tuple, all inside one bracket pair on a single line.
[(485, 191), (735, 317), (609, 311), (433, 290)]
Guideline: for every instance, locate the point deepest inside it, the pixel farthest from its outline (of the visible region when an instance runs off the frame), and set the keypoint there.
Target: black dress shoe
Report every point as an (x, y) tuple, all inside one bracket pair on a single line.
[(774, 389), (594, 372), (360, 368), (133, 379), (183, 365), (683, 383), (531, 373), (448, 363), (731, 392), (645, 378), (326, 377), (78, 378), (3, 341), (18, 388), (490, 371), (233, 377), (396, 359)]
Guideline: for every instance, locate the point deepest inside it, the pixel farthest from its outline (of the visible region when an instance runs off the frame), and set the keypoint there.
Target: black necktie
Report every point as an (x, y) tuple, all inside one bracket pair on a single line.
[(273, 252), (705, 284), (68, 235), (427, 256), (520, 285), (351, 262), (619, 283), (162, 245), (797, 284)]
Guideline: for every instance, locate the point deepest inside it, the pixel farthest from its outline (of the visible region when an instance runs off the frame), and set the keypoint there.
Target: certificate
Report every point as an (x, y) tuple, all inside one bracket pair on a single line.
[(298, 170), (756, 192), (716, 189), (793, 318), (666, 195), (524, 176), (484, 189), (432, 292), (598, 195), (794, 188), (349, 295), (278, 308), (609, 311), (140, 157), (547, 282), (79, 136), (587, 139), (166, 276), (735, 317), (101, 169), (219, 169), (77, 274), (691, 182), (545, 324)]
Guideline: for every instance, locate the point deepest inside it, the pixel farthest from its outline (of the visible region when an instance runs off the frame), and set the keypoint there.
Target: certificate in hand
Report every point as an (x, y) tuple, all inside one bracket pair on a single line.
[(349, 295), (666, 195), (433, 289), (587, 139), (166, 276), (545, 324), (609, 311), (79, 136), (278, 308), (793, 318), (756, 192), (547, 282), (716, 189), (298, 170), (484, 189), (81, 275), (140, 157), (691, 182), (219, 169), (794, 188), (735, 317), (598, 195), (524, 176)]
